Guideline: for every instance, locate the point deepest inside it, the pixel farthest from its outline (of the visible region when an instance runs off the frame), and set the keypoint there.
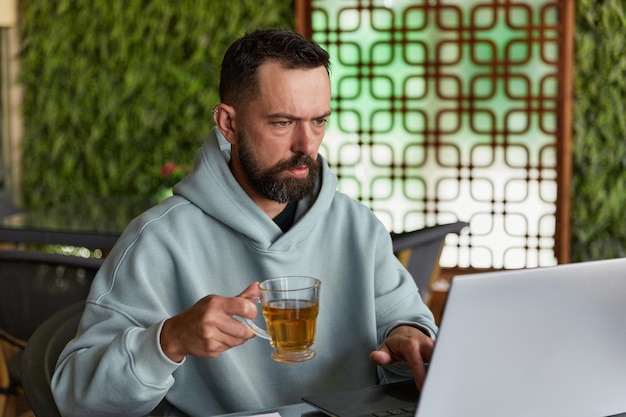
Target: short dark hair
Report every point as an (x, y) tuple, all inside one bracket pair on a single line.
[(238, 78)]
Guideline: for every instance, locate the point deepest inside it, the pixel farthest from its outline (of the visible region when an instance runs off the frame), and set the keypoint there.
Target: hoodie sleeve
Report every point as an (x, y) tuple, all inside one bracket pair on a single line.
[(115, 365), (398, 302), (101, 365)]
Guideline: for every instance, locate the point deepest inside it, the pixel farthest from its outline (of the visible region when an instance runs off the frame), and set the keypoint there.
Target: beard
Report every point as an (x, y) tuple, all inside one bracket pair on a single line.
[(270, 182)]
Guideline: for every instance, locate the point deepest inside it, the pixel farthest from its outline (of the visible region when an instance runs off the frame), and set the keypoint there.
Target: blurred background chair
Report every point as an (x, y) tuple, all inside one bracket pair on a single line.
[(33, 286), (41, 354), (7, 209), (40, 357), (420, 251)]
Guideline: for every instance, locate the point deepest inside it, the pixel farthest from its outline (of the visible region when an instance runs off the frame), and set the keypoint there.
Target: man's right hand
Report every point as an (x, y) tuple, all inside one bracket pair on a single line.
[(208, 328)]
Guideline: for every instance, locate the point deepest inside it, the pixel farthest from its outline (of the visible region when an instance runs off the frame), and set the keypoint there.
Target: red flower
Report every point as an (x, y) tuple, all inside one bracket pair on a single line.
[(171, 173), (168, 169)]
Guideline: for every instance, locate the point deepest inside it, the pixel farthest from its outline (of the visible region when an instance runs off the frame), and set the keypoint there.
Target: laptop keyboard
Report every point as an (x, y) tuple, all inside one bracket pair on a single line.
[(396, 412)]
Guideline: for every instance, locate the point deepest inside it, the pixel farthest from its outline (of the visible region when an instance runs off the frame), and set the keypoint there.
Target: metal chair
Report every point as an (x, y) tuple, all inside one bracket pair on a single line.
[(33, 286), (420, 251)]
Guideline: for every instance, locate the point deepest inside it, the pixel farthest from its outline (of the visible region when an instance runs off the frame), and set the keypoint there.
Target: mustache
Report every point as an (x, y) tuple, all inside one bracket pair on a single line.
[(297, 161)]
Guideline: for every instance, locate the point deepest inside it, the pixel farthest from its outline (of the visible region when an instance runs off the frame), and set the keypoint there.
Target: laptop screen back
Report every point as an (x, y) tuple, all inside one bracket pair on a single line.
[(534, 342)]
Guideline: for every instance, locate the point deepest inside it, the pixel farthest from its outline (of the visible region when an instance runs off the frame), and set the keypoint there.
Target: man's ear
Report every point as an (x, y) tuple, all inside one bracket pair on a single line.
[(224, 117)]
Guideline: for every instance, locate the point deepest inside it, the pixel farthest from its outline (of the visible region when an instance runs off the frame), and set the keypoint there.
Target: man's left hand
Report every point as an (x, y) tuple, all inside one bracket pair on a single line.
[(409, 344)]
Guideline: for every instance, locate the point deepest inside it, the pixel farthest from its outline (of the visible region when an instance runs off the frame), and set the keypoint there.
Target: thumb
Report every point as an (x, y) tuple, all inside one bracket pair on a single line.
[(381, 356), (251, 294), (251, 291)]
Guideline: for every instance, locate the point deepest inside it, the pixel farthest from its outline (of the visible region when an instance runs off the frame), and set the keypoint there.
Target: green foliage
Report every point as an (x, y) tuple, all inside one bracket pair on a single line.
[(599, 148), (116, 89)]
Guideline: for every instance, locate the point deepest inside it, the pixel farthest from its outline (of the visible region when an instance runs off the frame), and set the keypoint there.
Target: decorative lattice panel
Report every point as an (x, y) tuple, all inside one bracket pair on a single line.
[(446, 110)]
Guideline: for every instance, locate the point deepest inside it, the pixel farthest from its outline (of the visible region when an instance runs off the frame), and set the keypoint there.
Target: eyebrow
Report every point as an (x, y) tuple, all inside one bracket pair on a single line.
[(291, 117)]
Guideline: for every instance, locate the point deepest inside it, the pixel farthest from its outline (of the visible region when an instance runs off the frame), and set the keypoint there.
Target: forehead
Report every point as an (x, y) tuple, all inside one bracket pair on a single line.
[(304, 92)]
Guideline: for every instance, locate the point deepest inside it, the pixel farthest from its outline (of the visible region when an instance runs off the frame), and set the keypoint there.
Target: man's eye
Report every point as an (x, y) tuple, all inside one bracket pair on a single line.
[(283, 123), (321, 122)]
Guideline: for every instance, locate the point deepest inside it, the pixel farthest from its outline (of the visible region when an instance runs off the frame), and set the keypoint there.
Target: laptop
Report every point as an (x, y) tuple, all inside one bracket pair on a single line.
[(547, 341)]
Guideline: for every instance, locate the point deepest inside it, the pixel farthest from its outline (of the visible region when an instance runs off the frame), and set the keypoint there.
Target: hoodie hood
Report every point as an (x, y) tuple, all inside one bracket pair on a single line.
[(214, 190)]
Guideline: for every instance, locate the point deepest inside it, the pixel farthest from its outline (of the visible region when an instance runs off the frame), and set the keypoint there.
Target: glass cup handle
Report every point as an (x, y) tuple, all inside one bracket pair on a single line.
[(256, 329)]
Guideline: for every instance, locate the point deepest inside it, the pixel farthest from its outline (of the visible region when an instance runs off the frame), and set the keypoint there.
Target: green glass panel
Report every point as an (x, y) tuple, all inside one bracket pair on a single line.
[(446, 110)]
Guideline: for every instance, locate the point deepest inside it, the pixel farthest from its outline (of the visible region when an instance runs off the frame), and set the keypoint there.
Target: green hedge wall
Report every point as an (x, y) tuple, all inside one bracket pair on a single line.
[(598, 191), (115, 89)]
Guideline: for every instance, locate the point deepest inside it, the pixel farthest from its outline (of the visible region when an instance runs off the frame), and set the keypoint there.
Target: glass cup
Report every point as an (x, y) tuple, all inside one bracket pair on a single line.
[(290, 305)]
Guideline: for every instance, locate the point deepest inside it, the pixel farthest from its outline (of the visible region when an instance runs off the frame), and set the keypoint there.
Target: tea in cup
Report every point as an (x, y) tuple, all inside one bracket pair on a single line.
[(290, 306)]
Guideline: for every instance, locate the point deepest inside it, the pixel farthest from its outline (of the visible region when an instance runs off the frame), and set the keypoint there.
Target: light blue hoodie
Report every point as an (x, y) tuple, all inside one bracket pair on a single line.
[(210, 238)]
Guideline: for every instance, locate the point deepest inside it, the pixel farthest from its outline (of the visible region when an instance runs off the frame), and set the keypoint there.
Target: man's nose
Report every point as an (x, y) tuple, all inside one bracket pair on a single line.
[(304, 140)]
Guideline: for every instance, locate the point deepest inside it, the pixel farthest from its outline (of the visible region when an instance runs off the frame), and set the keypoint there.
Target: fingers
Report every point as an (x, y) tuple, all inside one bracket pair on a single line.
[(240, 306), (244, 304), (382, 357), (208, 328), (413, 357), (220, 321), (223, 335), (408, 344)]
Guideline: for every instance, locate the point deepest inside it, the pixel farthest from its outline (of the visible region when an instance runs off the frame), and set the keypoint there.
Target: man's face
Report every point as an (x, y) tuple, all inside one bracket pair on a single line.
[(278, 134), (271, 181)]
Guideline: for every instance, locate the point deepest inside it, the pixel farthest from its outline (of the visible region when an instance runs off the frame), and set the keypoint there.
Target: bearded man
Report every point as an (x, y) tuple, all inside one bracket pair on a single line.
[(162, 321)]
